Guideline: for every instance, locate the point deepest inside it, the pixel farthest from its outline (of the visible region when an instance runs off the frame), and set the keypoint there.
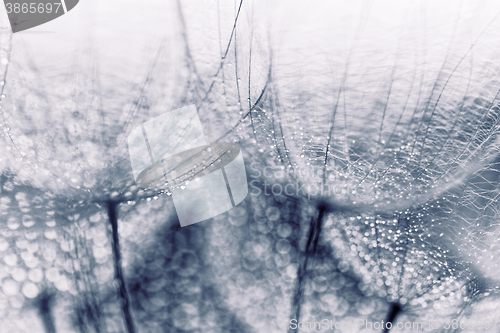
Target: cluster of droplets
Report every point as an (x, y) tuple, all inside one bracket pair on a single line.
[(33, 262), (401, 258)]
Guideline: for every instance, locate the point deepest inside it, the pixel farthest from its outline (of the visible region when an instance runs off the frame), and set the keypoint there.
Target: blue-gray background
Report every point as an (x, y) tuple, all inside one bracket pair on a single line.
[(403, 94)]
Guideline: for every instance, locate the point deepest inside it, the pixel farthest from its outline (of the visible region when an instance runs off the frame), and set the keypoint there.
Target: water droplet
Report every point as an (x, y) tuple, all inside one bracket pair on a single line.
[(13, 224), (10, 287), (11, 259), (30, 290)]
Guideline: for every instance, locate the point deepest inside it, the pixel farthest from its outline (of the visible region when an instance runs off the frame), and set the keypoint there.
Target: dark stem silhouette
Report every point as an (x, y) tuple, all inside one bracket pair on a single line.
[(394, 310), (117, 261), (45, 311), (311, 247)]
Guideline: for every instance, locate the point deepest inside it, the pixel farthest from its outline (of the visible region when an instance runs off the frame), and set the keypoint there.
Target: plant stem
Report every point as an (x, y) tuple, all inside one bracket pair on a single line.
[(394, 310), (311, 247), (122, 290), (45, 311)]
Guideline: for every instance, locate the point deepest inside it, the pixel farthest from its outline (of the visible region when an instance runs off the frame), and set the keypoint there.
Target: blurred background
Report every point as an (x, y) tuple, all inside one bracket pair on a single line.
[(370, 136)]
